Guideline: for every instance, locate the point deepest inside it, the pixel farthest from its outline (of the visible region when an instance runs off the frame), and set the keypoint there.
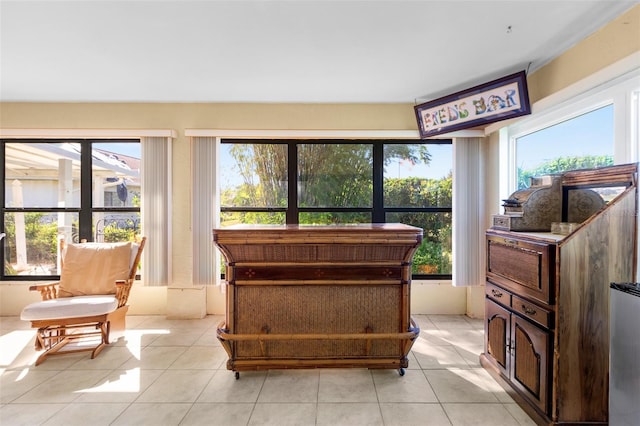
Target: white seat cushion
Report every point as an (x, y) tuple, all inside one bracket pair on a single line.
[(69, 307)]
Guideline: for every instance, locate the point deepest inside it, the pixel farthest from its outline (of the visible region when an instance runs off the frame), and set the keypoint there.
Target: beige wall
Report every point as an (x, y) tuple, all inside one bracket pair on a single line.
[(615, 42), (618, 40), (208, 116)]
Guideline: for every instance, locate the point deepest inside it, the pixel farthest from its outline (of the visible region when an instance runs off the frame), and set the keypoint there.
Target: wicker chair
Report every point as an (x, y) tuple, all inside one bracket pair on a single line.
[(89, 303)]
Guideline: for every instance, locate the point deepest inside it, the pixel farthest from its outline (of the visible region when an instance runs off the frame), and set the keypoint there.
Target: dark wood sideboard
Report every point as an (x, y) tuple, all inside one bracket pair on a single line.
[(547, 304), (317, 296)]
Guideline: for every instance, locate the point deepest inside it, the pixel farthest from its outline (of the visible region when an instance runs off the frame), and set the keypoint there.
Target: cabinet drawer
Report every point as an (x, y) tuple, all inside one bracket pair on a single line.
[(521, 266), (497, 294), (533, 312)]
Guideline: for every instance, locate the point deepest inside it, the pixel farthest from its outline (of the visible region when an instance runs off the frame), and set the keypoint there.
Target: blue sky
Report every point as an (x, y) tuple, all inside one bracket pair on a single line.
[(128, 149), (588, 134), (439, 167)]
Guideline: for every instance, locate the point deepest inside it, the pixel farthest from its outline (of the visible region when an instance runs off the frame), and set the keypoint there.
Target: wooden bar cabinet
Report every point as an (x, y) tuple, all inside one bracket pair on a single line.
[(547, 302), (317, 296)]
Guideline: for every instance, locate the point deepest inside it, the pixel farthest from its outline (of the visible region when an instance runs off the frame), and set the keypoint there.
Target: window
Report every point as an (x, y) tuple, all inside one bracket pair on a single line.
[(71, 189), (581, 142), (589, 129), (336, 182)]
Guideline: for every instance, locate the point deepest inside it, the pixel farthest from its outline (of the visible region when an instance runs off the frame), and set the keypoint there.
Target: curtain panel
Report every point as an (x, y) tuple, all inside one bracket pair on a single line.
[(156, 210), (468, 212)]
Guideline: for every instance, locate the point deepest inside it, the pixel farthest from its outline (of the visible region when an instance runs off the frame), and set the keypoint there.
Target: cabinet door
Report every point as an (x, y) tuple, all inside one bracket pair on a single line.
[(521, 266), (496, 332), (531, 361)]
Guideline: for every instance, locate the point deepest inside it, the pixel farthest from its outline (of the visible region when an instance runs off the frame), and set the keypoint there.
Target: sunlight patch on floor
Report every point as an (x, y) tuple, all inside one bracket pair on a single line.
[(13, 343), (134, 339), (127, 382), (478, 377)]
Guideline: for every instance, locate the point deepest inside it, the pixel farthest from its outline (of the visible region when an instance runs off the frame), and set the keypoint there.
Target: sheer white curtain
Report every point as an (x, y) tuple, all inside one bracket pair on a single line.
[(155, 210), (205, 210), (468, 212)]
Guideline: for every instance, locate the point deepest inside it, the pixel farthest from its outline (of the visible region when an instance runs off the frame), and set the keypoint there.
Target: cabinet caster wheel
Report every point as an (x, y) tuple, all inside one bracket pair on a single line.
[(237, 375), (401, 371)]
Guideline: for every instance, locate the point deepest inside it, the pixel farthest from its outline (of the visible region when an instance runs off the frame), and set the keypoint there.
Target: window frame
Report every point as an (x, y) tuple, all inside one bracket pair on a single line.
[(377, 210), (621, 92), (86, 209)]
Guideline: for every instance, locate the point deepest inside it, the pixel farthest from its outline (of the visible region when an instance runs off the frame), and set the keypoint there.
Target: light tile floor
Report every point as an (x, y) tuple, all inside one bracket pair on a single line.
[(173, 372)]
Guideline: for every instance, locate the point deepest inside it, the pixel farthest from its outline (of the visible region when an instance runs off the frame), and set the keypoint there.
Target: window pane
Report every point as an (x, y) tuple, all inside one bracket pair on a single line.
[(116, 174), (334, 185), (582, 142), (333, 218), (253, 175), (418, 175), (31, 243), (42, 175), (434, 256), (335, 175), (116, 227), (262, 218)]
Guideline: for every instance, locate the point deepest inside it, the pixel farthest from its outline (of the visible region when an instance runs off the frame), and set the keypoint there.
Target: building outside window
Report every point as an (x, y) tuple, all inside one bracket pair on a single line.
[(326, 182), (71, 189)]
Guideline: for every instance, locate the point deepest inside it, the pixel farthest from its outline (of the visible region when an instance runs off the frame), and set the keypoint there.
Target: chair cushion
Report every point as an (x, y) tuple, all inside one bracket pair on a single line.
[(134, 252), (69, 307), (93, 268)]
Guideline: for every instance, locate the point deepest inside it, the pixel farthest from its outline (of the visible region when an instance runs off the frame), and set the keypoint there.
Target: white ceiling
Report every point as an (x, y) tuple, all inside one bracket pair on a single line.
[(279, 51)]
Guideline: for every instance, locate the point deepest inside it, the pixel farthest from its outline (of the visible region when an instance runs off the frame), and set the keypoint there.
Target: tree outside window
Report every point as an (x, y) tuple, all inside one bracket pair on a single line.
[(339, 182)]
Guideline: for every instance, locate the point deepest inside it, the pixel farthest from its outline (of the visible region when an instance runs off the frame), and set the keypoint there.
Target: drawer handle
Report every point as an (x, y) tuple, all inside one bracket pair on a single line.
[(496, 293), (528, 310)]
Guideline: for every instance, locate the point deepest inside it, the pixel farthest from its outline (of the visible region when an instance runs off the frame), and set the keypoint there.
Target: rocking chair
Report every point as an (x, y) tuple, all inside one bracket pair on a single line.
[(89, 302)]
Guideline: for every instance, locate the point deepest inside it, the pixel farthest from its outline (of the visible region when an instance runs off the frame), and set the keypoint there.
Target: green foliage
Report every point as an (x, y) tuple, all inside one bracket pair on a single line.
[(135, 198), (41, 238), (435, 250), (333, 218), (335, 175), (263, 218), (114, 234), (8, 269), (563, 164), (329, 175), (340, 175), (418, 192), (436, 246), (41, 235), (429, 254), (414, 153), (267, 163)]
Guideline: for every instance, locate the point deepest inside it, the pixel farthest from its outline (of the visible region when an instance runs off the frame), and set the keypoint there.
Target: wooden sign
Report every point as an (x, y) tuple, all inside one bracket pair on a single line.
[(487, 103)]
